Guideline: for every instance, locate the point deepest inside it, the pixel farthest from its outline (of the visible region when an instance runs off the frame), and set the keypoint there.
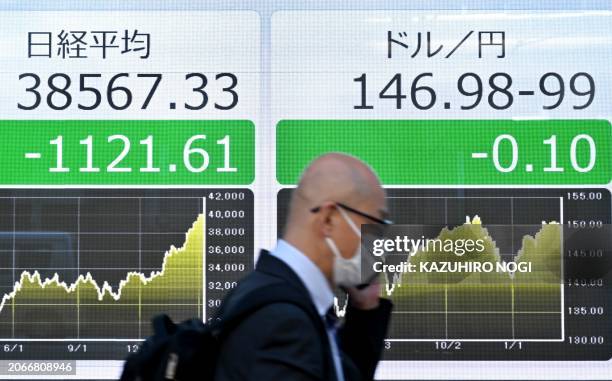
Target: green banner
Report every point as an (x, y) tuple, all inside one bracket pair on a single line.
[(120, 152), (454, 152)]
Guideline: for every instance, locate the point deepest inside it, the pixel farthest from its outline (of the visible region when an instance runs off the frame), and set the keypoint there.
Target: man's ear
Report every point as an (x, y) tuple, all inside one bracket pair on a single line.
[(327, 211)]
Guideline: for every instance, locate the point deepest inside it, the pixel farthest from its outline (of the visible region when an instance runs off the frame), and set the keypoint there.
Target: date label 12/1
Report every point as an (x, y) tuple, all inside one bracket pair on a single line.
[(127, 152)]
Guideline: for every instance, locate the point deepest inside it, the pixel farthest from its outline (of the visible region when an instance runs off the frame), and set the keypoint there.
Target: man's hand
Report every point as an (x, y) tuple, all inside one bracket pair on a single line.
[(365, 299)]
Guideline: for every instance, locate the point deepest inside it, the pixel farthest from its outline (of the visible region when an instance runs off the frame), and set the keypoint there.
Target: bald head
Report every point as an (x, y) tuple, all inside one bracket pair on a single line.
[(329, 180), (334, 177), (337, 176)]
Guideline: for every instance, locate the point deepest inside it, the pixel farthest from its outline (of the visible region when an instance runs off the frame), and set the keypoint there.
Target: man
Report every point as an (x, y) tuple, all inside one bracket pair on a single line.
[(319, 251)]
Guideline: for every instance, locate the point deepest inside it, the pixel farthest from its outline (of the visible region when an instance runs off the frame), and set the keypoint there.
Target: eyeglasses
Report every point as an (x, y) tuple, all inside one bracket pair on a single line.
[(380, 221)]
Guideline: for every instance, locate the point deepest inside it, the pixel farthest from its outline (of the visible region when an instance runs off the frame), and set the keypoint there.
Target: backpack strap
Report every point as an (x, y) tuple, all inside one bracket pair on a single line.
[(163, 326)]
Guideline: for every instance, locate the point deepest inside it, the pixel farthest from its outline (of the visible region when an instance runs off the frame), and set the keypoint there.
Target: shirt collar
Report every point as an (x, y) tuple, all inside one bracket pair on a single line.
[(312, 277)]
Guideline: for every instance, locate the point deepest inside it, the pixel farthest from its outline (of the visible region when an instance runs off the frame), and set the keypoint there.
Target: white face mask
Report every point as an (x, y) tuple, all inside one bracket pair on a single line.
[(347, 272)]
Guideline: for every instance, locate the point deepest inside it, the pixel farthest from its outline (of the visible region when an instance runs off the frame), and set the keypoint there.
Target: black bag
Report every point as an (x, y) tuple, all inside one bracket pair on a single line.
[(189, 350)]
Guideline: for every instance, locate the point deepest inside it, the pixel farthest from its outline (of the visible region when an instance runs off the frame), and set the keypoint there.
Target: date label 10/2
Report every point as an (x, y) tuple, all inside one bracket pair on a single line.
[(195, 158)]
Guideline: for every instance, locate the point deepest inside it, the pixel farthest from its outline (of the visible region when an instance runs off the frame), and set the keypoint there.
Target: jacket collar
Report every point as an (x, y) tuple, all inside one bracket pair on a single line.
[(271, 265), (309, 274)]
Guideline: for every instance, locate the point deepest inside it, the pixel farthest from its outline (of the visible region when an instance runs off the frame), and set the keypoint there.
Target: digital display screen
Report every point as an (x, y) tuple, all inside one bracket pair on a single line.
[(150, 150)]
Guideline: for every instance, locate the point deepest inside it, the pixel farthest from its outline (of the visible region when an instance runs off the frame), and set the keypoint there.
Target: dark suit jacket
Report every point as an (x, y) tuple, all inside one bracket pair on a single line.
[(281, 341)]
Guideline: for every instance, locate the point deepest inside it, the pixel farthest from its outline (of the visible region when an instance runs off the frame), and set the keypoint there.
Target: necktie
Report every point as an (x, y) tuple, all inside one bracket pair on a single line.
[(331, 319), (331, 323)]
